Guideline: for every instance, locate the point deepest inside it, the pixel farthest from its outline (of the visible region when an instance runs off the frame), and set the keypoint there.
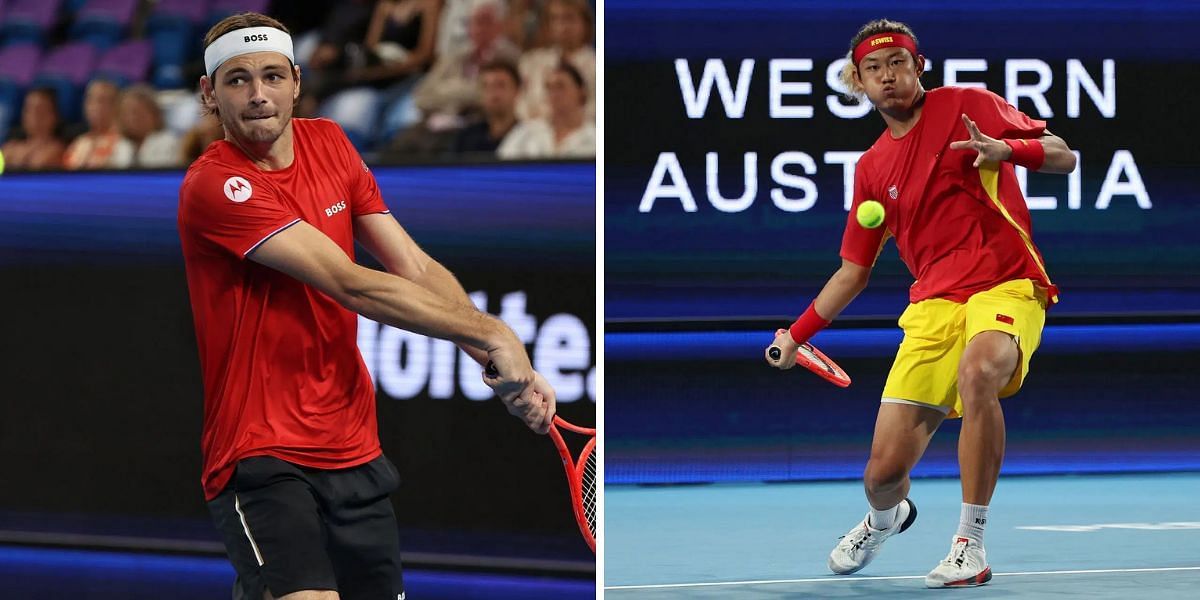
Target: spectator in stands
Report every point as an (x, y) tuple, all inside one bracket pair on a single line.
[(521, 26), (567, 25), (566, 133), (102, 146), (324, 69), (40, 147), (206, 131), (141, 122), (499, 83), (451, 89), (374, 92), (399, 42)]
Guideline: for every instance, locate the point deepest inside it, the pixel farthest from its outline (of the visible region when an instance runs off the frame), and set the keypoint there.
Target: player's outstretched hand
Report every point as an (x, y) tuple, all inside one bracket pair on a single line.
[(787, 350), (988, 148)]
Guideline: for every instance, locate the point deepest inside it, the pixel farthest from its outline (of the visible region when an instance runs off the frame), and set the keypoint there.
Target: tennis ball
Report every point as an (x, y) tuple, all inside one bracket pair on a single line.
[(1, 162), (870, 214)]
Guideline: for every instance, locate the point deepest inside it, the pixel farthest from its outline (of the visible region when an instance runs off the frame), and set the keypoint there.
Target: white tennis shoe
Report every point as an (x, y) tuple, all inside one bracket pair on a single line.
[(858, 547), (965, 566)]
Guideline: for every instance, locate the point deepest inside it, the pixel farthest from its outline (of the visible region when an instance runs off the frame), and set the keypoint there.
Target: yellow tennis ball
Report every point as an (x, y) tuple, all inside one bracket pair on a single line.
[(1, 162), (870, 214)]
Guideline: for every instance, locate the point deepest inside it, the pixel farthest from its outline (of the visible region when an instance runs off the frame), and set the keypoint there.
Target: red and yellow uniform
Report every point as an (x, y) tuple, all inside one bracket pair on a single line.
[(964, 233), (283, 376)]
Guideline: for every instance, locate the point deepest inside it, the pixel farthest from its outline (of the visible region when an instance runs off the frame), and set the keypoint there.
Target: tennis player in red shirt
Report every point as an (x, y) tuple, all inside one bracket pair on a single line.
[(293, 471), (943, 170)]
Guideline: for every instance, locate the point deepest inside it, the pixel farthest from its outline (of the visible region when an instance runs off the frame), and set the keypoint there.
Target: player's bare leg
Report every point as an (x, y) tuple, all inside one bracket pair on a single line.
[(902, 433), (987, 365)]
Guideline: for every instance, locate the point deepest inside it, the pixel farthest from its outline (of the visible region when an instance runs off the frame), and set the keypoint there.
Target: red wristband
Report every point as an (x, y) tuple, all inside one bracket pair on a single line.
[(807, 325), (1027, 153)]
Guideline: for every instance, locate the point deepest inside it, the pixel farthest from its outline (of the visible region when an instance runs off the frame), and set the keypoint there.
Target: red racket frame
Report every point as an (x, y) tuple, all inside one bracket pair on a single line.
[(574, 470), (830, 371)]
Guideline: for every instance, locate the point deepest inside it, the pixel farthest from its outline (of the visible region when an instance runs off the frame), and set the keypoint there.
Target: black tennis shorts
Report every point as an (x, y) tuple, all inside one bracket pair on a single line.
[(289, 528)]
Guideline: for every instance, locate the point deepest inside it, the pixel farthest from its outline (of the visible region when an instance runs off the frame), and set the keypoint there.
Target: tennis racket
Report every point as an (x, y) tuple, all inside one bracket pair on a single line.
[(581, 476), (581, 473), (814, 360)]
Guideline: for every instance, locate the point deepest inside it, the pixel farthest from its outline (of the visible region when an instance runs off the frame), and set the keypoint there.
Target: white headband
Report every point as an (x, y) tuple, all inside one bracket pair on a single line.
[(245, 41)]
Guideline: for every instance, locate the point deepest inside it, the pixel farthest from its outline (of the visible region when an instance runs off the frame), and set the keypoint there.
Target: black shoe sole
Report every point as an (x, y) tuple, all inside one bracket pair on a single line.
[(912, 516)]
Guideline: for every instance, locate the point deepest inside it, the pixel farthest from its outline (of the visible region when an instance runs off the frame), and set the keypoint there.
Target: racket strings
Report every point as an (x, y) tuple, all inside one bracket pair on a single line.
[(588, 490), (810, 355)]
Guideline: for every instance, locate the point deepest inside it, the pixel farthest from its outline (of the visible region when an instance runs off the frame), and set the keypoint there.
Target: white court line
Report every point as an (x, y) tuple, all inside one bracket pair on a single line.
[(833, 578)]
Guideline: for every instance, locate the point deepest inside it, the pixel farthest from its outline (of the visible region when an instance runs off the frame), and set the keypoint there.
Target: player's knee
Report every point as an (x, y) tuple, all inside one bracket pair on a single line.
[(882, 476), (979, 379)]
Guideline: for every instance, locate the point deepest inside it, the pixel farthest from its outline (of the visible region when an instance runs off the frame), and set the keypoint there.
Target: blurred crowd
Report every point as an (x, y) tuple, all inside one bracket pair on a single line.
[(406, 79)]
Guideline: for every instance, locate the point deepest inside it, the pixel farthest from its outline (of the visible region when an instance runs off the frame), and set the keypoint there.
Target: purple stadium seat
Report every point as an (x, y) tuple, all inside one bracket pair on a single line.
[(117, 12), (41, 13), (229, 7), (126, 63), (72, 63), (29, 20), (192, 11), (103, 23), (18, 64)]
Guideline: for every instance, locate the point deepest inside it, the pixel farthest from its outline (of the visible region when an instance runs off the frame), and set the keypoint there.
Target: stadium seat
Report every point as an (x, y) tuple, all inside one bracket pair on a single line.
[(103, 23), (174, 29), (126, 63), (219, 9), (67, 69), (29, 21)]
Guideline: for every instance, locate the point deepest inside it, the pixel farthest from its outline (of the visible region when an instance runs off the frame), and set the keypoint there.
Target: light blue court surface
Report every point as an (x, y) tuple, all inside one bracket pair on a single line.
[(1115, 536)]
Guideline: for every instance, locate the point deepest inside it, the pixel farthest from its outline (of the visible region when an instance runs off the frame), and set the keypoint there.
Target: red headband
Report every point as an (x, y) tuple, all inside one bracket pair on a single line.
[(884, 40)]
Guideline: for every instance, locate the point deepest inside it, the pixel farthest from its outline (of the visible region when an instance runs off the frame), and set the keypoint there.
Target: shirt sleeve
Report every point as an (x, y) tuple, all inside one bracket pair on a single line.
[(230, 211), (365, 197), (860, 245), (997, 118)]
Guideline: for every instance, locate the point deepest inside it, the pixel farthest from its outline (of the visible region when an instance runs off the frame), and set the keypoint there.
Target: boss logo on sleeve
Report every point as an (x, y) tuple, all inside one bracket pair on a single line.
[(238, 189)]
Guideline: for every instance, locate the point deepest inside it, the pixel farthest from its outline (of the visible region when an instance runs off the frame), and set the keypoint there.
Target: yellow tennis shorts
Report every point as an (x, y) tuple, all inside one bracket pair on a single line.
[(936, 332)]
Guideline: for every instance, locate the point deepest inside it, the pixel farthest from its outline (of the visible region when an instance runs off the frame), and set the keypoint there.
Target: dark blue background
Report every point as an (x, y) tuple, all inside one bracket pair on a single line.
[(764, 262)]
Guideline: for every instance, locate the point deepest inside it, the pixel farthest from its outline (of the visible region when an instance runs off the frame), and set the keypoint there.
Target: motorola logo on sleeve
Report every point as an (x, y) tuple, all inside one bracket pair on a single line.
[(238, 189)]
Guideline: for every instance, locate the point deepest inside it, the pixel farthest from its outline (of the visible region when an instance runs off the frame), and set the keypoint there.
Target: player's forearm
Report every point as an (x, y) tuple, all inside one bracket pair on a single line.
[(840, 290), (439, 280), (1059, 158), (401, 303)]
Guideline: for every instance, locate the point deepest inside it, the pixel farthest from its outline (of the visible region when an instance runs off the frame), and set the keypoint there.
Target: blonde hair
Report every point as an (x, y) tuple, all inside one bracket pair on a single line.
[(854, 91)]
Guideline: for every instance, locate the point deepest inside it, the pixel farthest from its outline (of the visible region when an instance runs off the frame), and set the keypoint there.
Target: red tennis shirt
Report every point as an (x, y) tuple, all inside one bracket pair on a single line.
[(282, 372), (959, 229)]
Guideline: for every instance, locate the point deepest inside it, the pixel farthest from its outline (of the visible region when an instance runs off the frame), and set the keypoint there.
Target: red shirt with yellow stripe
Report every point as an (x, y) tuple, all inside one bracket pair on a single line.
[(959, 229)]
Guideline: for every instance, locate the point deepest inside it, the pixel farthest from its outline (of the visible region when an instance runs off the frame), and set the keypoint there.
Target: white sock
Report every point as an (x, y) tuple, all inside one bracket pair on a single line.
[(882, 519), (971, 522)]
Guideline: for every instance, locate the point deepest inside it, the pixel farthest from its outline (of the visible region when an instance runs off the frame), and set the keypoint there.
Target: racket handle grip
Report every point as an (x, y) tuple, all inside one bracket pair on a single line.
[(774, 352), (491, 369)]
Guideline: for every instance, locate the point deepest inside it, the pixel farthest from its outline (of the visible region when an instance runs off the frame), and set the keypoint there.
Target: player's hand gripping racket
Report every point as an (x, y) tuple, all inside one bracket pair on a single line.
[(814, 360), (581, 473)]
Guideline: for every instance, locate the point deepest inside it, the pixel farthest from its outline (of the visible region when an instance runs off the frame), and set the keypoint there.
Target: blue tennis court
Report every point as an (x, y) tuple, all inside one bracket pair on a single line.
[(1086, 536)]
